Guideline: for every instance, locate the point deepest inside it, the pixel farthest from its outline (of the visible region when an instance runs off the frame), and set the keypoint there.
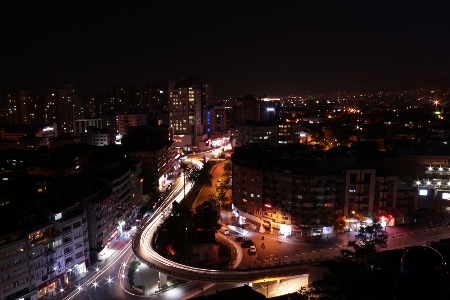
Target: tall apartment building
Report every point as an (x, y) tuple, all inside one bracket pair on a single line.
[(118, 179), (215, 119), (269, 109), (47, 264), (110, 122), (80, 126), (49, 108), (15, 267), (97, 137), (24, 106), (130, 120), (245, 108), (100, 203), (125, 99), (29, 106), (207, 94), (155, 96), (287, 193), (187, 98), (136, 183), (71, 220), (158, 159), (64, 103), (13, 108), (185, 113)]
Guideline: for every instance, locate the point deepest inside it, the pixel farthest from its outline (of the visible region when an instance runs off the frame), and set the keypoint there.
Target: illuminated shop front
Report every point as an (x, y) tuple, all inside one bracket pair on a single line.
[(220, 142), (50, 286), (79, 268)]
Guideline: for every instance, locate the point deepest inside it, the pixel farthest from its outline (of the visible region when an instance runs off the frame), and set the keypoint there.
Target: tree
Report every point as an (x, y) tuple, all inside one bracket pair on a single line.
[(338, 223), (201, 176), (327, 288), (176, 235), (221, 192), (227, 166), (368, 241), (206, 217), (214, 202)]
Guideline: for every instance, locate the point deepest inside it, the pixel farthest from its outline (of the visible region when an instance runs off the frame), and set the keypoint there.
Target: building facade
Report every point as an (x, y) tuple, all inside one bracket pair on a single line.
[(15, 267), (290, 194), (80, 126), (47, 263), (130, 120), (64, 103)]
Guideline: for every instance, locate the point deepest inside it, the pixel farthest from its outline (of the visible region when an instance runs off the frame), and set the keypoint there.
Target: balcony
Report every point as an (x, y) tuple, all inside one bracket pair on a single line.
[(69, 262), (68, 252), (49, 251), (50, 263)]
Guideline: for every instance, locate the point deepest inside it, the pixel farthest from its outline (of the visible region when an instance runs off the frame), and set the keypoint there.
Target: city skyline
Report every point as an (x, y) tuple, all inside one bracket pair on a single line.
[(255, 47)]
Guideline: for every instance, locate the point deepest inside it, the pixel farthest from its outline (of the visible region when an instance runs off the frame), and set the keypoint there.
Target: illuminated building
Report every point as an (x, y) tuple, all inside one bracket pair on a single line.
[(80, 125), (286, 192), (158, 159), (48, 271), (71, 220), (65, 110), (130, 120), (215, 119), (270, 132), (187, 97)]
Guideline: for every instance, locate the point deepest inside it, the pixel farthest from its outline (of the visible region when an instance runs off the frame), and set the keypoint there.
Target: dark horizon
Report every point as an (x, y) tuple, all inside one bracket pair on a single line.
[(251, 47)]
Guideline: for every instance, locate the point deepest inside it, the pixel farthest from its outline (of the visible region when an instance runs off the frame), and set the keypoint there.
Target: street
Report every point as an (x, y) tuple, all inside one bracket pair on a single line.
[(111, 282)]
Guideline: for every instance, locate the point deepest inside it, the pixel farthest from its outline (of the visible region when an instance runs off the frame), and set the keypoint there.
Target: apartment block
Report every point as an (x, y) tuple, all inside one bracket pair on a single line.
[(130, 120), (71, 220), (15, 267), (46, 259)]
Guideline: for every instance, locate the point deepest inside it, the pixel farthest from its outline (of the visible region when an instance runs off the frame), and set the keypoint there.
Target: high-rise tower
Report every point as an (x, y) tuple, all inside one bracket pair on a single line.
[(64, 107)]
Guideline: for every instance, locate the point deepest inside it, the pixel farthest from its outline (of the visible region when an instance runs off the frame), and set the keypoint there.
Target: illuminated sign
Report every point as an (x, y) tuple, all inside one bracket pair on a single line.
[(446, 196), (268, 205), (423, 192)]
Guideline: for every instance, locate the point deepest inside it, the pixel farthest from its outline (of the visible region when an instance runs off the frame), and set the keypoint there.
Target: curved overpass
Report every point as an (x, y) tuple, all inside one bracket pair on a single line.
[(143, 249)]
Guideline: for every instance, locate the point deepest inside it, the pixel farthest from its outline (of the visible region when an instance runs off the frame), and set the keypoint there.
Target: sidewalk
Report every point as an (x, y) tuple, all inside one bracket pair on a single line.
[(333, 240)]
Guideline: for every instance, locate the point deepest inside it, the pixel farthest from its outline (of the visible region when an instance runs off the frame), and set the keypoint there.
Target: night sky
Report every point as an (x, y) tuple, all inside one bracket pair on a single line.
[(242, 47)]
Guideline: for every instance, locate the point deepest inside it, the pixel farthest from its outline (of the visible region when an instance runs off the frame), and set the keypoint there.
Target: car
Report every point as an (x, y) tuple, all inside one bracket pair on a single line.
[(252, 249), (246, 244), (239, 238), (224, 231)]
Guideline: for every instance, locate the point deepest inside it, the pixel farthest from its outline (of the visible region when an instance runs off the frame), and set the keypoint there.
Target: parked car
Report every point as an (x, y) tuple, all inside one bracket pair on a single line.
[(246, 244), (239, 238), (224, 231), (252, 250)]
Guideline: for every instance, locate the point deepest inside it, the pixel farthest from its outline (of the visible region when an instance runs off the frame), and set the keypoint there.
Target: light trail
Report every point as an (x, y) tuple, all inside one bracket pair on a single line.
[(142, 248), (100, 272)]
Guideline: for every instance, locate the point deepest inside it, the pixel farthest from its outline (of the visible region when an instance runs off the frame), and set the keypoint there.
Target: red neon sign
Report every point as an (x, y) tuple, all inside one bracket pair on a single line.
[(268, 205)]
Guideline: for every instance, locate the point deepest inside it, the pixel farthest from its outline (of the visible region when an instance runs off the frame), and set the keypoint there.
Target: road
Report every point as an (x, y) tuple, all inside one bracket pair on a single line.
[(110, 281)]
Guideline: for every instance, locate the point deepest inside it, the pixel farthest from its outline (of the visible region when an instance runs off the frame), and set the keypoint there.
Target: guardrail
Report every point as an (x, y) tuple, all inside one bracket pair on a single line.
[(142, 247)]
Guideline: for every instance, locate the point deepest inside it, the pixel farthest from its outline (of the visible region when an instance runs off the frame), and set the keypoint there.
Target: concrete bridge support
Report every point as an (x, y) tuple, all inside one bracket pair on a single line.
[(162, 280)]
